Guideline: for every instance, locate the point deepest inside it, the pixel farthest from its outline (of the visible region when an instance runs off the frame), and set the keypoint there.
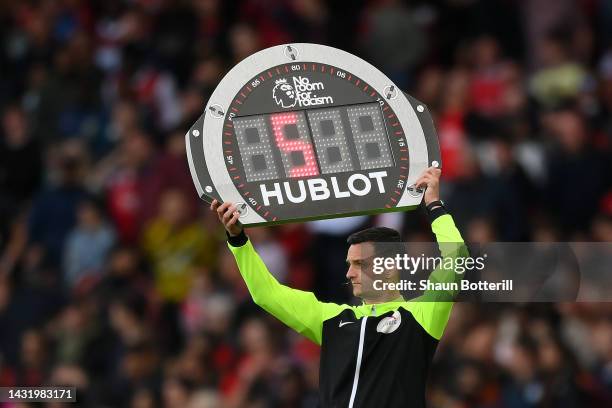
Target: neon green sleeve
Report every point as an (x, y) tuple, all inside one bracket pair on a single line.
[(298, 309), (433, 308)]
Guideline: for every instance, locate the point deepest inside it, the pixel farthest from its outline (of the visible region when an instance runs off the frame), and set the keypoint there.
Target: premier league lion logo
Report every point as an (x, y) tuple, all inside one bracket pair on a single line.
[(284, 94)]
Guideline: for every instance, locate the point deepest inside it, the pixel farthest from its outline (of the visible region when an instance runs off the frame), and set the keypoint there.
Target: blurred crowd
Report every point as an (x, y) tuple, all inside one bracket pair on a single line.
[(115, 278)]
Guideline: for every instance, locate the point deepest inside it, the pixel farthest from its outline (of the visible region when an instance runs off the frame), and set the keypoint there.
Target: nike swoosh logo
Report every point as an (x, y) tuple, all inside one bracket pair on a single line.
[(344, 323)]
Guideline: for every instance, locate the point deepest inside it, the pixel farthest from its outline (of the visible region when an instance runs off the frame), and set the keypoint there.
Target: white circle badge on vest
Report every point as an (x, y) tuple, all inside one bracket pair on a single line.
[(390, 324)]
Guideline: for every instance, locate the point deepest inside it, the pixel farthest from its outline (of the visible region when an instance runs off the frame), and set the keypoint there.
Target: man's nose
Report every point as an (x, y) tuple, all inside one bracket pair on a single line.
[(350, 273)]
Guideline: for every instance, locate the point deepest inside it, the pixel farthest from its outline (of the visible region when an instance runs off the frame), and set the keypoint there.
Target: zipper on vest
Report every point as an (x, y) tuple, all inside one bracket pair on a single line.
[(358, 365), (360, 355)]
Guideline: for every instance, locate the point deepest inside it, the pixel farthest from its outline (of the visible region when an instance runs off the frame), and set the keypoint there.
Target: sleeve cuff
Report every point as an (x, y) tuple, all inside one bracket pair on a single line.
[(237, 241), (436, 213)]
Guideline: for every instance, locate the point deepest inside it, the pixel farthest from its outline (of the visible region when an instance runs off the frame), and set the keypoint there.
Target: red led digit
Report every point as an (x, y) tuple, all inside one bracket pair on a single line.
[(288, 146)]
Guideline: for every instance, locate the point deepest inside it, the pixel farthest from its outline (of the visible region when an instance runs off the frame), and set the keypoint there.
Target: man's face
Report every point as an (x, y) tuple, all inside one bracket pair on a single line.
[(359, 259)]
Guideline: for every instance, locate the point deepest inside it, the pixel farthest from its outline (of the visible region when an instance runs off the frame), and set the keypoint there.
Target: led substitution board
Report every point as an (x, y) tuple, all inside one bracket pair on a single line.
[(306, 131)]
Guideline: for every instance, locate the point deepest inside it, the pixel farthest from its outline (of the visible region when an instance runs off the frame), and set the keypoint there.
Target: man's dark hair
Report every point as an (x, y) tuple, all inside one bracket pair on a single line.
[(374, 234), (386, 241)]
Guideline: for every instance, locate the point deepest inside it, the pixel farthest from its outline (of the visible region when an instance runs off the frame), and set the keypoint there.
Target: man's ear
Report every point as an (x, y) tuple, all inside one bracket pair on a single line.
[(392, 275)]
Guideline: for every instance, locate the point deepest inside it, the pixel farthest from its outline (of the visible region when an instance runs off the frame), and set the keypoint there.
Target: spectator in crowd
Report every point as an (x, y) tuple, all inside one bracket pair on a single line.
[(54, 209), (560, 78), (175, 246), (88, 245), (20, 160)]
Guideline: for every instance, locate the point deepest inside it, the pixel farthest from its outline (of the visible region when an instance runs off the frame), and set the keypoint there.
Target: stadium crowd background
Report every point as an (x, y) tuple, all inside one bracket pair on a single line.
[(115, 278)]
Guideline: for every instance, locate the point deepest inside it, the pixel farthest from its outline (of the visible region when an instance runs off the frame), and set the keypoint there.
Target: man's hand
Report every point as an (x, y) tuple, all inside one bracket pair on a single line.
[(228, 215), (430, 179)]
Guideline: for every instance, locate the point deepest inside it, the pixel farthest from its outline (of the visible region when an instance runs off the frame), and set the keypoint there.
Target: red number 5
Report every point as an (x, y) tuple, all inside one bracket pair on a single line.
[(291, 137)]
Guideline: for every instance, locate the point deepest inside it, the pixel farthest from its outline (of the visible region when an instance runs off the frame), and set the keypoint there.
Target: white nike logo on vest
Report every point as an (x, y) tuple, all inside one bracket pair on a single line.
[(344, 323)]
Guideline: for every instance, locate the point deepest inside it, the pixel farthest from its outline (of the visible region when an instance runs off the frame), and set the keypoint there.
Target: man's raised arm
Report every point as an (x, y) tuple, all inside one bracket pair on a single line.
[(432, 309), (298, 309)]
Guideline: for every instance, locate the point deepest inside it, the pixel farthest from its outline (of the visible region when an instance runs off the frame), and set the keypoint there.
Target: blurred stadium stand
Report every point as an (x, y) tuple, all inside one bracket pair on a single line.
[(115, 278)]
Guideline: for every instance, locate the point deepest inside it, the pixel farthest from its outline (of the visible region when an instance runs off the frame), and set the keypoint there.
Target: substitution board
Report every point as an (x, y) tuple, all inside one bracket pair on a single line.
[(305, 131)]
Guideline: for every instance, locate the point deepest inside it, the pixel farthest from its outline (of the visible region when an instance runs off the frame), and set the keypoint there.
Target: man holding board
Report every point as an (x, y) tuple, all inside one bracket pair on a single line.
[(375, 354)]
